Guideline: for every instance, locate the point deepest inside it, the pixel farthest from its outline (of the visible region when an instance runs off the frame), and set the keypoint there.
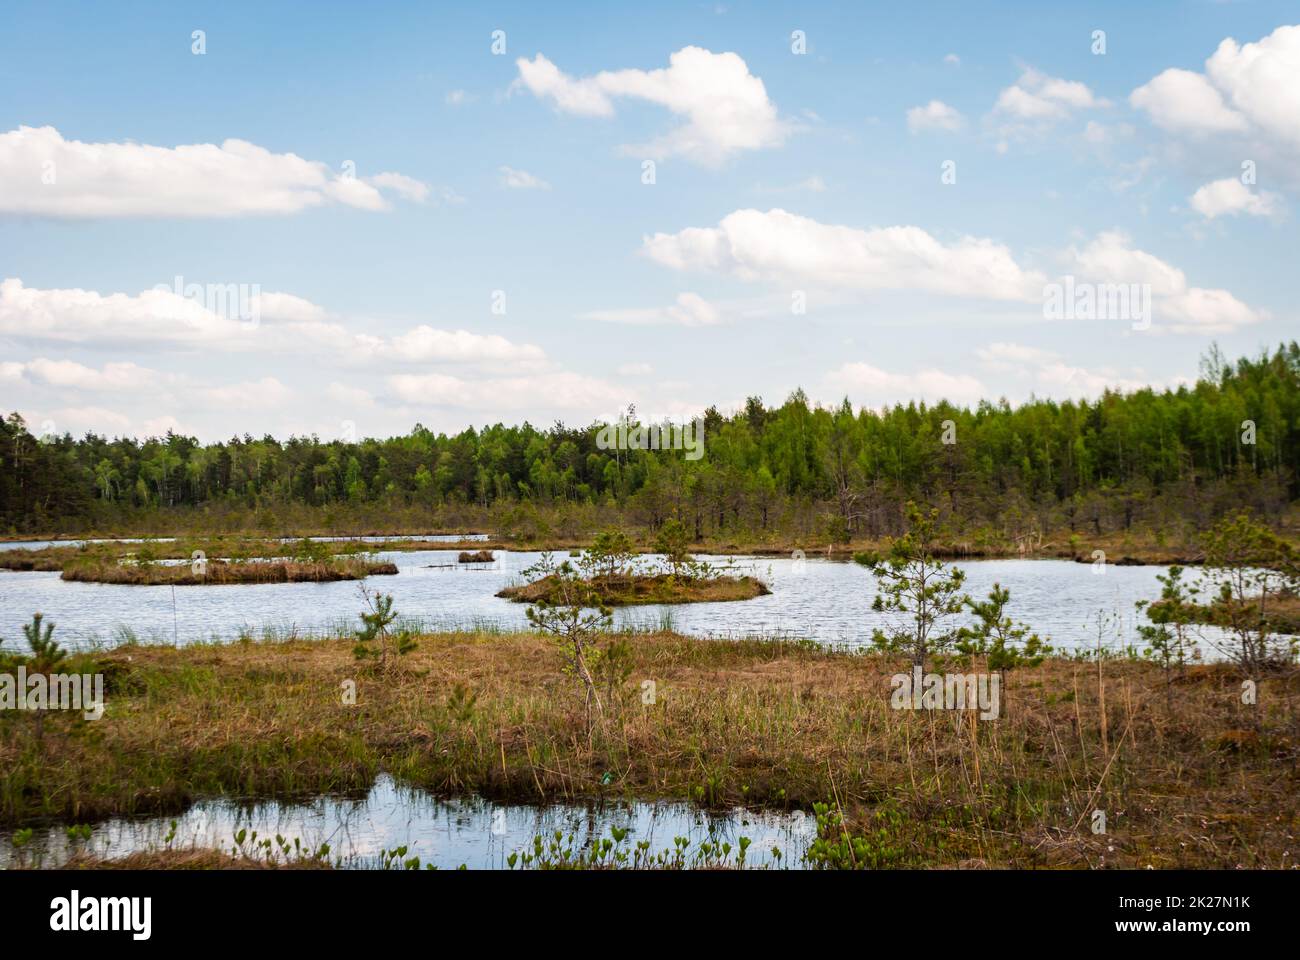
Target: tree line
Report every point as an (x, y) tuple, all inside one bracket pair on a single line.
[(1148, 457)]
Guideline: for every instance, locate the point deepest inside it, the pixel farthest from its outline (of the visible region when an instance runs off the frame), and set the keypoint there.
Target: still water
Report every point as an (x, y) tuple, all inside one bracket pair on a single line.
[(446, 833), (823, 600)]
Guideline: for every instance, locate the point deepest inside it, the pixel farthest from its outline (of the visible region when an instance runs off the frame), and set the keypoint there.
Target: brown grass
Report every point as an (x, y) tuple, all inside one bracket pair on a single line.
[(1205, 782), (618, 591), (218, 572), (480, 556), (192, 859)]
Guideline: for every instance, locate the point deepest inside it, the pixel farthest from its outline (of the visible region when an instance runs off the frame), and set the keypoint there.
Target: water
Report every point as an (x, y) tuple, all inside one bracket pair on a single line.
[(433, 538), (446, 833), (823, 600)]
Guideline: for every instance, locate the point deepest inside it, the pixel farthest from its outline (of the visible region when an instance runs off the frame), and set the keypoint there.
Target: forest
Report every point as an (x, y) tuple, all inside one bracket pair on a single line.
[(1169, 461)]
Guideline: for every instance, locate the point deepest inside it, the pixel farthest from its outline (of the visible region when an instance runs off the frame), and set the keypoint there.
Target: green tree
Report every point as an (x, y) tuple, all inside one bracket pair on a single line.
[(574, 618), (1166, 636), (376, 640), (915, 583)]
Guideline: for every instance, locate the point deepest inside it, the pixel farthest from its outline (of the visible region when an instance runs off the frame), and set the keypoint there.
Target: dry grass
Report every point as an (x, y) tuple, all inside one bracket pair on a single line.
[(192, 859), (1205, 782), (217, 572), (618, 591)]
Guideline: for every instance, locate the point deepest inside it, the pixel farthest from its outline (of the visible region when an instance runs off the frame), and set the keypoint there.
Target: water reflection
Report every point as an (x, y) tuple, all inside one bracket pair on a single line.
[(446, 833)]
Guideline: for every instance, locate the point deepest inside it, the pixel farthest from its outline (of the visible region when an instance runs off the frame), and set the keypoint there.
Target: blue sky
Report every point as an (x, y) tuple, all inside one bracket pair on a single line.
[(778, 175)]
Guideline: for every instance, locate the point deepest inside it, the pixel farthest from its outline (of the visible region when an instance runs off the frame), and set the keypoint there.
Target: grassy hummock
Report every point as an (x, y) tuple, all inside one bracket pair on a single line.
[(226, 572), (644, 588)]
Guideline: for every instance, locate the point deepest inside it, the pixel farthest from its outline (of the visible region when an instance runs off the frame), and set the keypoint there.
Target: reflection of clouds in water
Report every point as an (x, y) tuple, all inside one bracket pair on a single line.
[(445, 833)]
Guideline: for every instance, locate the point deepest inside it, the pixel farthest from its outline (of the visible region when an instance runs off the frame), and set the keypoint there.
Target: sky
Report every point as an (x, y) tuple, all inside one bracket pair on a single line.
[(343, 220)]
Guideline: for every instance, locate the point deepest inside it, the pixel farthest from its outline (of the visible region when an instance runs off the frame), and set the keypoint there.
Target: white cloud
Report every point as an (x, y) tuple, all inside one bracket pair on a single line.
[(777, 246), (114, 377), (1178, 306), (248, 395), (725, 108), (522, 180), (689, 310), (1185, 102), (83, 419), (43, 174), (561, 390), (1048, 374), (953, 59), (1229, 197), (289, 324), (1003, 357), (425, 344), (1249, 88), (935, 115), (77, 315), (457, 98), (406, 187), (874, 387), (1262, 80), (1037, 97), (635, 370)]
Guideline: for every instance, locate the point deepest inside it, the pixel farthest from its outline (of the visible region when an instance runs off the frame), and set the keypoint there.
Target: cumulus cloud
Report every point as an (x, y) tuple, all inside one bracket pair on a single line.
[(43, 174), (113, 377), (1251, 87), (1048, 374), (1179, 307), (79, 316), (689, 310), (406, 187), (1036, 97), (725, 109), (1229, 197), (425, 344), (874, 387), (163, 318), (778, 246), (1186, 102), (935, 115), (522, 180), (247, 395)]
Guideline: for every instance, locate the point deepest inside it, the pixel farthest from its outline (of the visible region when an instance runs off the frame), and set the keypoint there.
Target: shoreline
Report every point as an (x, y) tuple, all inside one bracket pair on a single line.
[(1121, 553)]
